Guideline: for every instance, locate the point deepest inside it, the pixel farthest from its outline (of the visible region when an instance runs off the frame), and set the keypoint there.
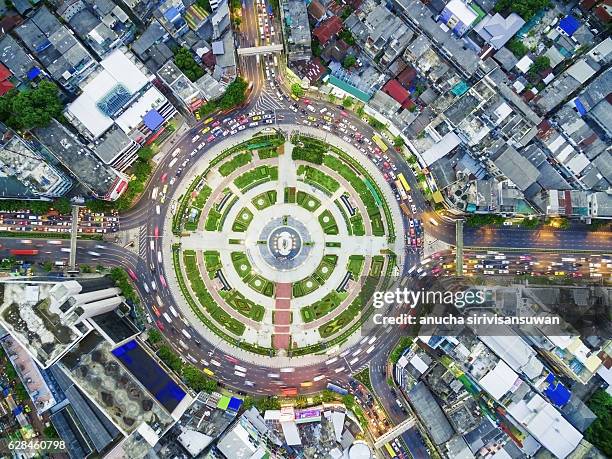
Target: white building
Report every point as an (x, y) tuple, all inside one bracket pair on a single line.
[(119, 109)]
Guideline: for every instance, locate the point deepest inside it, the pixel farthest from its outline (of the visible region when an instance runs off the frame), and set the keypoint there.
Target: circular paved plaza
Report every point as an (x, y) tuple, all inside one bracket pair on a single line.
[(274, 239)]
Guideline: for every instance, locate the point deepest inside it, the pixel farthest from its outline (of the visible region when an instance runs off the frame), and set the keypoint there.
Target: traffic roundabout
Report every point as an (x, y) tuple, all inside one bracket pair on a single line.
[(271, 240)]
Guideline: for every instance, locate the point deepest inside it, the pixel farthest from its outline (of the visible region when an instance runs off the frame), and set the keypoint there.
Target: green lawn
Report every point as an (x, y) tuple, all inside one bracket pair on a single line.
[(241, 263), (342, 320), (236, 162), (256, 176), (243, 220), (328, 222), (265, 199), (212, 260), (308, 201), (319, 276), (357, 225), (243, 305), (202, 196), (265, 153), (378, 261), (213, 220), (204, 297), (355, 265), (318, 178), (322, 307)]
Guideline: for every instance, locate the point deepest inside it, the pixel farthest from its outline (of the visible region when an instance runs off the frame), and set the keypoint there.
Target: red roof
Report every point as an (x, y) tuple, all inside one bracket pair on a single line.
[(406, 76), (396, 90), (603, 12), (5, 84), (4, 73), (328, 29)]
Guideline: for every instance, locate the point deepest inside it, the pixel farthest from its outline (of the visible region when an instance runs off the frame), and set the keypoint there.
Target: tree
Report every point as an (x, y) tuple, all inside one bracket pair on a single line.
[(398, 142), (32, 108), (297, 90), (349, 61), (315, 46), (62, 205), (146, 153), (204, 4), (517, 47), (85, 269), (375, 123), (347, 102), (50, 432), (47, 266), (172, 360), (197, 380), (155, 336), (347, 36), (186, 63), (599, 432), (524, 8), (540, 63)]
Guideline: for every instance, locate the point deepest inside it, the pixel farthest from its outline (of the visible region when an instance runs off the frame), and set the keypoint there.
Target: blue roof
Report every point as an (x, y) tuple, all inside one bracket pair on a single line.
[(234, 404), (172, 13), (580, 107), (153, 119), (569, 24), (556, 392), (33, 73)]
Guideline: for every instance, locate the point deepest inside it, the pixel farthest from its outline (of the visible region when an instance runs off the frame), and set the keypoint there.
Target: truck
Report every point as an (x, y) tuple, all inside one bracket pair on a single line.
[(405, 209)]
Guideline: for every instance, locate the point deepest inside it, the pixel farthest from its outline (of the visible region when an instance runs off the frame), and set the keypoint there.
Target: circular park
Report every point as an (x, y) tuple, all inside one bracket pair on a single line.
[(273, 240)]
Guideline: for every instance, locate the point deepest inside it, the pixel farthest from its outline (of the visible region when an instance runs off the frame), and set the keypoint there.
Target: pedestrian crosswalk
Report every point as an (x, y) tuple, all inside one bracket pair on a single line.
[(267, 102), (143, 242)]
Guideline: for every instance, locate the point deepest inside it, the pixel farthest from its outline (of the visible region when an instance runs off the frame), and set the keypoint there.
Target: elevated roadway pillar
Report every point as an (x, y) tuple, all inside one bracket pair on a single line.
[(459, 247), (73, 238)]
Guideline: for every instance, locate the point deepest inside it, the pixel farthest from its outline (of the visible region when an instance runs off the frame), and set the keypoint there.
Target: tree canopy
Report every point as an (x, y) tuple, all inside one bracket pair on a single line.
[(599, 433), (517, 47), (32, 108), (234, 95), (349, 61), (297, 90), (184, 60), (524, 8)]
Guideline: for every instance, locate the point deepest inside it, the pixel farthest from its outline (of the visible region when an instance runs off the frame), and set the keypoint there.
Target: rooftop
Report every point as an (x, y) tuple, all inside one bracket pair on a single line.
[(430, 412), (94, 369), (31, 313), (103, 181)]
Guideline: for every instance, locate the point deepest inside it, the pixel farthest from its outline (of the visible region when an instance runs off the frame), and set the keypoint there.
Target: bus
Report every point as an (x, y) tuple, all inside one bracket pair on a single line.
[(336, 389), (390, 451), (404, 182), (24, 252), (379, 141), (401, 190)]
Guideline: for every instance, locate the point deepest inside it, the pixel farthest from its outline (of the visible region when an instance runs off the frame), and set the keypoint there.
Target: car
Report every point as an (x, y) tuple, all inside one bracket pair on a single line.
[(156, 232), (154, 286), (195, 138), (205, 130), (210, 138), (146, 287), (507, 223), (413, 208), (172, 180), (162, 279), (164, 177), (216, 124), (156, 311), (256, 118), (160, 325), (157, 209)]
